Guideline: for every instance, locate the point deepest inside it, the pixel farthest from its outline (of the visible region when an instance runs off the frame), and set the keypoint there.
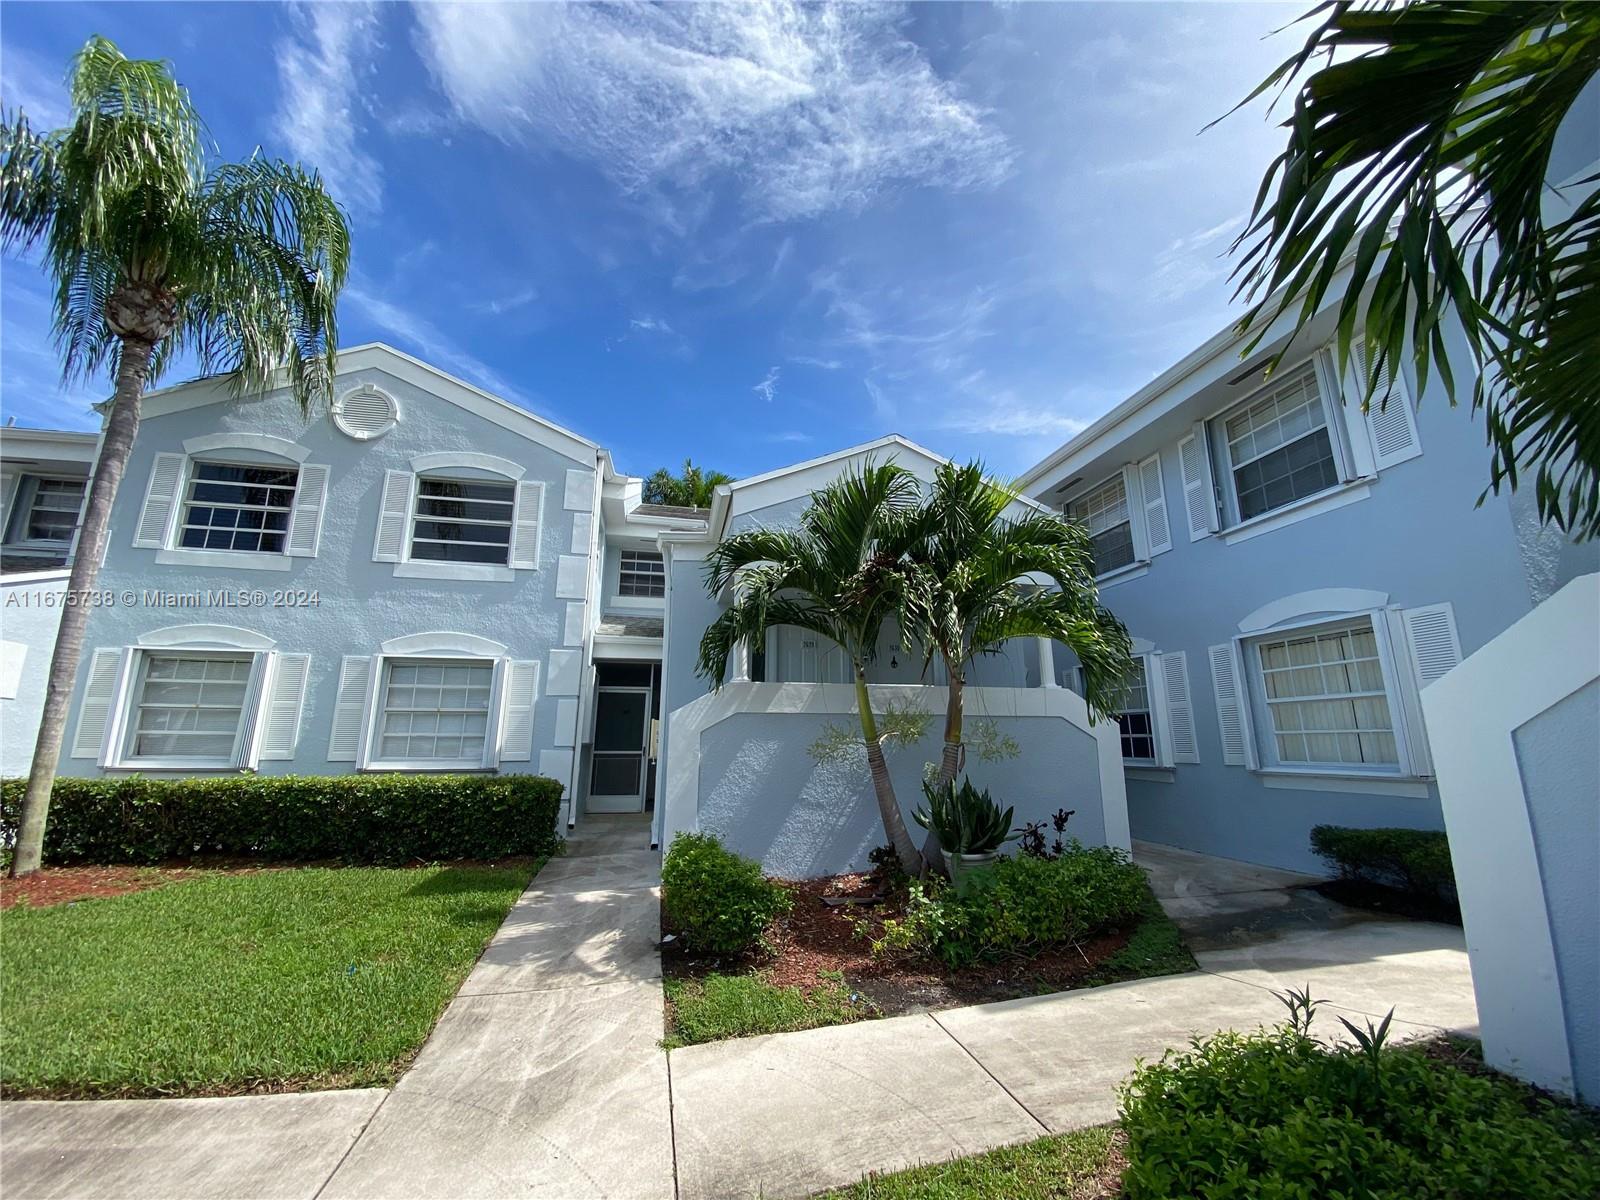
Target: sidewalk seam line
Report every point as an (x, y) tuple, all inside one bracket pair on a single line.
[(354, 1142), (1032, 1116), (672, 1126)]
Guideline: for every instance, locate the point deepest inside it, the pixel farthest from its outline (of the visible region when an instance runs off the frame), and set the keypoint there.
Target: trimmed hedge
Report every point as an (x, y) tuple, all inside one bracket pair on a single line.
[(1414, 860), (718, 901), (379, 819)]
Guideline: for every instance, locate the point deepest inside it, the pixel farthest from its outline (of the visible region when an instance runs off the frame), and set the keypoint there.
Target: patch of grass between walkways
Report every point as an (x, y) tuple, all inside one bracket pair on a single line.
[(273, 980), (1083, 1165), (1156, 947), (728, 1006)]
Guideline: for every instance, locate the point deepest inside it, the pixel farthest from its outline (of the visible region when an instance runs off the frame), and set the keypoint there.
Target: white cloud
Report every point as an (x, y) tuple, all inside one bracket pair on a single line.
[(320, 73), (649, 324), (786, 437), (806, 108), (26, 83), (499, 305), (768, 387)]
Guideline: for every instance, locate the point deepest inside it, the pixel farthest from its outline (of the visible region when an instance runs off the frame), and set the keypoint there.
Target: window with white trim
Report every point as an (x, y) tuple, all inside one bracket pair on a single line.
[(641, 573), (236, 506), (1136, 716), (1278, 446), (1325, 698), (1104, 513), (463, 520), (188, 707), (45, 511), (435, 711)]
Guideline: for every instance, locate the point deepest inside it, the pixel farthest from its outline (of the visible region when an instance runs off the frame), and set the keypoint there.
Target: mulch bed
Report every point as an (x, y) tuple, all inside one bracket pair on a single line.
[(816, 937), (1359, 893)]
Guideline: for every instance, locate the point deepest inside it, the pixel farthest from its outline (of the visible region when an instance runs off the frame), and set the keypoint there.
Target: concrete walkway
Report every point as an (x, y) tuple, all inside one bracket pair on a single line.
[(544, 1078)]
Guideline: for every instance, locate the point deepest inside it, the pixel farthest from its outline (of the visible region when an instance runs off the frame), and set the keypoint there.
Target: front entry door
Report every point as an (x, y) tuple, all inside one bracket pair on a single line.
[(621, 744)]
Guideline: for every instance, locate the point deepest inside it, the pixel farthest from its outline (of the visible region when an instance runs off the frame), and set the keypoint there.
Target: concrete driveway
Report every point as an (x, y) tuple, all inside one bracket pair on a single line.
[(545, 1078)]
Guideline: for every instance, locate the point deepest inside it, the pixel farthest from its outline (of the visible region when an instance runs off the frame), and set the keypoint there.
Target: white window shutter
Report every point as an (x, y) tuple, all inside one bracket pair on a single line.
[(349, 708), (280, 726), (160, 498), (526, 526), (1230, 704), (1158, 531), (394, 516), (305, 523), (1199, 500), (1431, 637), (1179, 710), (1393, 426), (516, 725), (99, 692)]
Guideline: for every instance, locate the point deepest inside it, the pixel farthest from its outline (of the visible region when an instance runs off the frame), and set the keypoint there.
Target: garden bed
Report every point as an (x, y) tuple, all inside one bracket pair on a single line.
[(816, 966)]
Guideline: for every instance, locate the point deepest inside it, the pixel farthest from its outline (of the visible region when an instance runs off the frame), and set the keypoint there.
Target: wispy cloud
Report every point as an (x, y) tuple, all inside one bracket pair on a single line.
[(499, 305), (321, 71), (768, 387), (26, 83), (649, 324), (805, 109), (786, 437)]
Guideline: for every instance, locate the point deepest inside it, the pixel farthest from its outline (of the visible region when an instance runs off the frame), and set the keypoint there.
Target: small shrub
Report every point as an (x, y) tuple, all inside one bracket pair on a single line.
[(1020, 904), (1277, 1114), (1033, 841), (1414, 860), (718, 901), (963, 819), (378, 819)]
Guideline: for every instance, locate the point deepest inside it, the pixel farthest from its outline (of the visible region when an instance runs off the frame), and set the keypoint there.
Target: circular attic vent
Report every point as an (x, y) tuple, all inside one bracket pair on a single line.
[(365, 413)]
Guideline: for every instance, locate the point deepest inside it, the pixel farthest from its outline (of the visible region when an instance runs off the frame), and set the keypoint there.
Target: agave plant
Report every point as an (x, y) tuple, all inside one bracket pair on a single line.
[(965, 820)]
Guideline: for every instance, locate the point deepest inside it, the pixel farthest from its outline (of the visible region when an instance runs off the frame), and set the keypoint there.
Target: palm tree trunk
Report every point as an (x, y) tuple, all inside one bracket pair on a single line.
[(120, 432), (882, 785), (950, 761)]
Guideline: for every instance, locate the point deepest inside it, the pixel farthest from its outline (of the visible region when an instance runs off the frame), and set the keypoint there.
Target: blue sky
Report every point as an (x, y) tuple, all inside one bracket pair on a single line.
[(748, 234)]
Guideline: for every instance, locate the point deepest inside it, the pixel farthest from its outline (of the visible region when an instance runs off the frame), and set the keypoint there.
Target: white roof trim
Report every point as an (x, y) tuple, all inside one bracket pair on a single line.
[(397, 363), (893, 439)]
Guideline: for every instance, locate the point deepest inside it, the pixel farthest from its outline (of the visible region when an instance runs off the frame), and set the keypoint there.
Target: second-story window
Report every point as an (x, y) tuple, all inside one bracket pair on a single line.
[(235, 507), (1104, 512), (641, 573), (463, 520), (1277, 446), (46, 510)]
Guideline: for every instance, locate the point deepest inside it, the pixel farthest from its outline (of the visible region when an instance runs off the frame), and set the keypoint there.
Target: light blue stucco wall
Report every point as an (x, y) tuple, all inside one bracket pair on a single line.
[(765, 795), (362, 603), (1418, 537), (30, 613), (1558, 756)]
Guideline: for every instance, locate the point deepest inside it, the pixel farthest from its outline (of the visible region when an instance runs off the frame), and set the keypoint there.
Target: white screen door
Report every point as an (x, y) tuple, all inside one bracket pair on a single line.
[(621, 733)]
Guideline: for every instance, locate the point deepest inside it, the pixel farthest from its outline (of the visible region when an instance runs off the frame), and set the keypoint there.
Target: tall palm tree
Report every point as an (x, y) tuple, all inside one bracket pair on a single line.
[(154, 256), (839, 575), (976, 585), (1421, 152), (694, 488)]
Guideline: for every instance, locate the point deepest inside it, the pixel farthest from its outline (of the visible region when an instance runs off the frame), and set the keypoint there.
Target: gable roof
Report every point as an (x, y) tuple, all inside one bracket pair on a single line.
[(383, 357)]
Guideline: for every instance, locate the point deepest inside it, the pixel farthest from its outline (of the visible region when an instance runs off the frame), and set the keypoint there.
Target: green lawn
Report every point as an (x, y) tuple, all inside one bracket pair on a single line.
[(1067, 1167), (729, 1006), (308, 978)]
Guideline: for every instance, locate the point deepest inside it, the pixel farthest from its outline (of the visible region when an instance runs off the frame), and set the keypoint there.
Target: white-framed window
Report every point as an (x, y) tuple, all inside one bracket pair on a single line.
[(237, 506), (1325, 698), (45, 510), (200, 698), (1154, 714), (188, 707), (1136, 717), (1278, 446), (463, 520), (1104, 512), (435, 712), (641, 574)]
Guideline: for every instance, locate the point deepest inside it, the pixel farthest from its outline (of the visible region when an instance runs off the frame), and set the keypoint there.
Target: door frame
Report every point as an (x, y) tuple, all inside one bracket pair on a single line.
[(595, 753)]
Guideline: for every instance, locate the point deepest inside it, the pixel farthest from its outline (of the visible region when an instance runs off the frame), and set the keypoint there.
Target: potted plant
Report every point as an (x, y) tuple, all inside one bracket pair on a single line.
[(970, 826)]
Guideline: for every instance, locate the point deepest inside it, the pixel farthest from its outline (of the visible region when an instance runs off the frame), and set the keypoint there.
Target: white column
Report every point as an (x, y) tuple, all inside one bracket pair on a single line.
[(741, 661), (1047, 663)]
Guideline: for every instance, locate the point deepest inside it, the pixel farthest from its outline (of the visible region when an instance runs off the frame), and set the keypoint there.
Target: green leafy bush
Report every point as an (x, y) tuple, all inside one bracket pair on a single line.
[(965, 820), (718, 901), (382, 819), (1414, 860), (1277, 1114), (1020, 904)]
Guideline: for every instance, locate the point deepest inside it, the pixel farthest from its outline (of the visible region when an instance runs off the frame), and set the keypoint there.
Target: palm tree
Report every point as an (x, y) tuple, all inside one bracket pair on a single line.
[(839, 575), (1421, 150), (971, 591), (692, 489), (154, 256)]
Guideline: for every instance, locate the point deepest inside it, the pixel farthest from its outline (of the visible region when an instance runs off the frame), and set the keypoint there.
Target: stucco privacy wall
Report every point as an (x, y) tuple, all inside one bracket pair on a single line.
[(1518, 760), (360, 603), (755, 783), (29, 616)]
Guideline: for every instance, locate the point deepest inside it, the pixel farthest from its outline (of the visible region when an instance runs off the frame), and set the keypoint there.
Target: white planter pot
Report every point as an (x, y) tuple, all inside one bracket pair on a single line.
[(954, 863)]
